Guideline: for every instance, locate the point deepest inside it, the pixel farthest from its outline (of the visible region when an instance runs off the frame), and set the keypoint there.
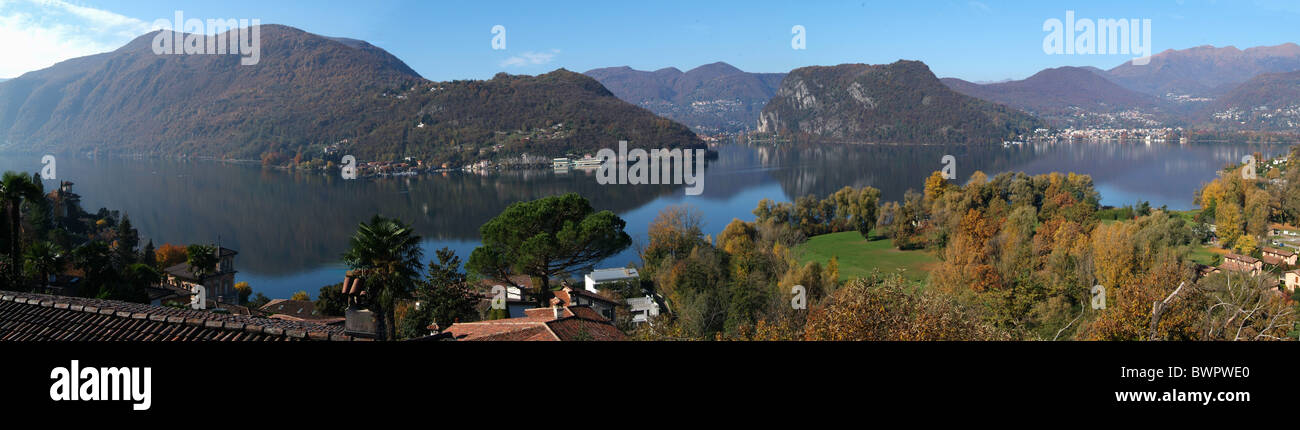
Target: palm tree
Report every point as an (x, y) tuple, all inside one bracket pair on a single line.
[(389, 253), (16, 188), (202, 259), (44, 258), (95, 260)]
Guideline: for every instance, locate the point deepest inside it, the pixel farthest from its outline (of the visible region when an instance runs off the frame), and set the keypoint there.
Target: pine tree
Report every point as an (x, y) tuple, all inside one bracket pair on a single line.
[(128, 239), (148, 255)]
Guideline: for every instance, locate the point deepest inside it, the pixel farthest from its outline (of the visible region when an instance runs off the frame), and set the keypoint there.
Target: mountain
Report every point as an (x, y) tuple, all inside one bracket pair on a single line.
[(901, 102), (1068, 96), (306, 87), (309, 92), (1177, 88), (711, 98), (1204, 71), (1266, 102), (553, 114)]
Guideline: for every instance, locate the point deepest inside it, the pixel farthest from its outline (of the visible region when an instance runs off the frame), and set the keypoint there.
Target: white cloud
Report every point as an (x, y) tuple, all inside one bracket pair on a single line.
[(39, 33), (530, 59)]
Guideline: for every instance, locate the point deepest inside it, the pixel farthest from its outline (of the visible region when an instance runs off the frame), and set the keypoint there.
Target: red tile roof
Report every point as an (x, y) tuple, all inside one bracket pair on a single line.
[(564, 295), (1239, 263), (526, 332), (40, 317), (1243, 258), (574, 329), (1281, 252), (544, 314), (575, 323)]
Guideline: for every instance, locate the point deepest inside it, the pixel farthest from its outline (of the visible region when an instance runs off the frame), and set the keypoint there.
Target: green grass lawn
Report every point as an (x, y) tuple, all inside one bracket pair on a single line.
[(1186, 215), (858, 256), (1203, 254)]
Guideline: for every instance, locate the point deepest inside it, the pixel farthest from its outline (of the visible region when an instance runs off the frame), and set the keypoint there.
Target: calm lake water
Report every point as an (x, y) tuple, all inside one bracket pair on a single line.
[(290, 228)]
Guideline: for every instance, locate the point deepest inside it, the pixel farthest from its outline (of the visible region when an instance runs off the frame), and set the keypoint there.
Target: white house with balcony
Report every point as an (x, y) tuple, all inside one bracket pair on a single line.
[(643, 308), (606, 276)]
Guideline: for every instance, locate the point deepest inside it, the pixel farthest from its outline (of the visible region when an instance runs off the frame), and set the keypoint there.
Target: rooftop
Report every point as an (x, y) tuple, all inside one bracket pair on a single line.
[(1241, 258), (1282, 252), (41, 317), (575, 323), (565, 296), (300, 310), (184, 271), (616, 274), (164, 291)]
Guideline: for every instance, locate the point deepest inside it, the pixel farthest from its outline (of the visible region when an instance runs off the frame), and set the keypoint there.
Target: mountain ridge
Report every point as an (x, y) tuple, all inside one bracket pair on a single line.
[(1205, 70), (1269, 101), (309, 92), (901, 102), (711, 98), (1066, 96)]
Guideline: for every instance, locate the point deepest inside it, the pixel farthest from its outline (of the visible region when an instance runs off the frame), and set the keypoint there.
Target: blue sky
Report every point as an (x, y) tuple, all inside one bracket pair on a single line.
[(984, 40)]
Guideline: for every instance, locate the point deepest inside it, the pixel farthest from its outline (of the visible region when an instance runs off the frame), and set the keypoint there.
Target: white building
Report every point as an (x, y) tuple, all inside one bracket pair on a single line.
[(605, 276), (642, 308)]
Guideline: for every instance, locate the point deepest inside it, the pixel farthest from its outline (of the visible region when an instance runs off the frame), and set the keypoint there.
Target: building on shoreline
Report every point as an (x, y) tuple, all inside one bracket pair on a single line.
[(219, 285)]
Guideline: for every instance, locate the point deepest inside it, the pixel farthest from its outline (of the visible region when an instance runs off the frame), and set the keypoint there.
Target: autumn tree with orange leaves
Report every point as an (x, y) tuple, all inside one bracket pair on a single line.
[(169, 255)]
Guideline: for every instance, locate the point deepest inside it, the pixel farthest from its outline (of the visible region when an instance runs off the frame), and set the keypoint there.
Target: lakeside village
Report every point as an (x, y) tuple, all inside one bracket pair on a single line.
[(494, 160), (1154, 134), (495, 157), (1149, 135), (1119, 135), (330, 161)]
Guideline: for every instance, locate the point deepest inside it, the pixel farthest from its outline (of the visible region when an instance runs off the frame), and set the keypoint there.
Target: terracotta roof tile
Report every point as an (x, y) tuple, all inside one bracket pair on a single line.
[(574, 323), (39, 317), (1282, 252), (1244, 258), (565, 296)]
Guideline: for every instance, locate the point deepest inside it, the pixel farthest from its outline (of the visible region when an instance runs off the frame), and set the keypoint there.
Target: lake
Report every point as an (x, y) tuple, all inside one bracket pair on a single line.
[(291, 228)]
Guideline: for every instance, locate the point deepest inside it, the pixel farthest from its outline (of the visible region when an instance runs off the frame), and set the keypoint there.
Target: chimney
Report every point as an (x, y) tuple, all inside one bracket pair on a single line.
[(557, 306), (568, 294), (360, 322)]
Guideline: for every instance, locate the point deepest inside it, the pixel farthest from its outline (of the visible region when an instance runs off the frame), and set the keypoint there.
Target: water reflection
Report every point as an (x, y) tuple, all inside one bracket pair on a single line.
[(290, 228)]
